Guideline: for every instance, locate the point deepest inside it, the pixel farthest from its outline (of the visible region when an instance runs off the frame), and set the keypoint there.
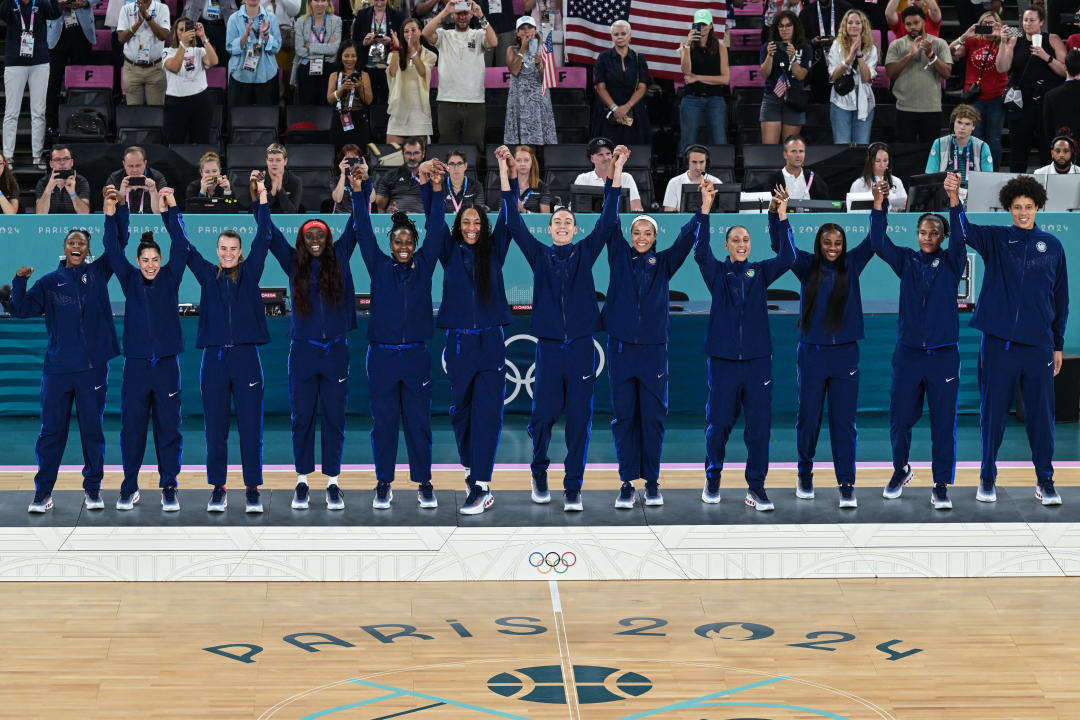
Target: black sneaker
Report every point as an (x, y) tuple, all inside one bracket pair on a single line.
[(383, 496), (218, 500), (1046, 493), (987, 491), (759, 500), (253, 503), (478, 500), (42, 502), (335, 499), (627, 496), (652, 494), (572, 501), (301, 497), (711, 492), (540, 493), (899, 479), (425, 495), (804, 487), (127, 502), (847, 497), (169, 500), (939, 498), (93, 499)]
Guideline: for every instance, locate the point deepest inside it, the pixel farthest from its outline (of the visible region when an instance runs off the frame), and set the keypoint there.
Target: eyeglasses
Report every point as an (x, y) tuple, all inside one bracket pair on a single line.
[(782, 26), (456, 163)]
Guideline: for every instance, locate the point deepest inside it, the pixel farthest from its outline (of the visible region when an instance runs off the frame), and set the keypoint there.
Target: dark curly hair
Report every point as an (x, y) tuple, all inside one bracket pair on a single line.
[(1023, 186), (482, 251), (331, 284), (838, 297), (400, 221)]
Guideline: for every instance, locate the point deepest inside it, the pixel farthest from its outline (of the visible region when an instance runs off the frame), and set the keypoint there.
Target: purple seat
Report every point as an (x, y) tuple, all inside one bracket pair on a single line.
[(88, 76)]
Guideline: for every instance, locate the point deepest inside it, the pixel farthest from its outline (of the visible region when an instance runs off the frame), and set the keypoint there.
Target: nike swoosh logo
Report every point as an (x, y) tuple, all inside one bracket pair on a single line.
[(586, 377), (425, 383), (98, 387), (1013, 241), (341, 380), (253, 384), (174, 394), (1049, 363), (853, 372), (949, 379), (660, 375), (60, 284), (768, 381)]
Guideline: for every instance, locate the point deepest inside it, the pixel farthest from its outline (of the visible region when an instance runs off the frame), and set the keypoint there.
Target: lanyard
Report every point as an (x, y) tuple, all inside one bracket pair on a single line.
[(256, 25), (322, 33), (377, 26), (464, 189), (821, 21), (33, 14), (967, 156), (352, 93)]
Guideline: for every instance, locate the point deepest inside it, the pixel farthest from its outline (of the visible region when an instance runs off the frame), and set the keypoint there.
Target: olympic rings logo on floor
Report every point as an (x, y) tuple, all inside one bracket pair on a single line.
[(553, 561)]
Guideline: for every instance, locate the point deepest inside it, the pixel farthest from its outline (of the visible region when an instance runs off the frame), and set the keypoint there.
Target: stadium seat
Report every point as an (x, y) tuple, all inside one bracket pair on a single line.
[(573, 123), (253, 124), (88, 76), (245, 157), (311, 157), (140, 136), (102, 40), (67, 135), (318, 115), (745, 40), (746, 76), (316, 190), (747, 123), (561, 164), (217, 77), (191, 153), (140, 125), (98, 98), (378, 118)]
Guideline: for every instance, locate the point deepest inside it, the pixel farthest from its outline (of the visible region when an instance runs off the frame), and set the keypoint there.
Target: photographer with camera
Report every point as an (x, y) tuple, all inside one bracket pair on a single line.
[(785, 63), (62, 190), (340, 190), (371, 32), (703, 60), (212, 191), (984, 84), (138, 184), (189, 109)]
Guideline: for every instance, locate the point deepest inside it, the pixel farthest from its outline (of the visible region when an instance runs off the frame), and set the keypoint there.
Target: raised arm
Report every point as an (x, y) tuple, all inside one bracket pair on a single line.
[(607, 226), (703, 255), (692, 231), (781, 236), (361, 222), (26, 303), (111, 237), (879, 238), (530, 246), (260, 244), (179, 247), (976, 236), (803, 260)]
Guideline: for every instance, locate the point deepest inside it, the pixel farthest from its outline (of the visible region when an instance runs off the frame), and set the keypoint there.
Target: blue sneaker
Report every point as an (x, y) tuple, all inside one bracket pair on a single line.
[(127, 502), (42, 502), (301, 498), (987, 491), (939, 498), (572, 500), (93, 499), (899, 479), (627, 496), (253, 502), (425, 495), (759, 500), (711, 492), (383, 496), (804, 487), (478, 500), (652, 494), (1046, 493), (847, 497), (218, 500), (169, 500), (540, 493), (335, 499)]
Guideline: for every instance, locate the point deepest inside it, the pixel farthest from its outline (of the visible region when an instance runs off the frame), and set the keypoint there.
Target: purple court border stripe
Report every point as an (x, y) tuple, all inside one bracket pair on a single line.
[(1067, 465)]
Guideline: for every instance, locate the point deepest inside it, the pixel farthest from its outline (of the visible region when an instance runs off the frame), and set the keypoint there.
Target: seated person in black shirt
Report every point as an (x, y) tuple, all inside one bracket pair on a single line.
[(62, 190), (462, 190), (212, 191), (137, 183), (284, 188), (400, 190)]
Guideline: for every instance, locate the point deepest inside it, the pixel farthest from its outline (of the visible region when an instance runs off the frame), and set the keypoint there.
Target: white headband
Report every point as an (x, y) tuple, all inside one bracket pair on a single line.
[(648, 219)]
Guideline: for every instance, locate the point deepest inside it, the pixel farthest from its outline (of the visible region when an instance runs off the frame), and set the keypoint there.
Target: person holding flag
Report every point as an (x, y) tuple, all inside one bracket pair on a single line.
[(529, 117), (785, 64)]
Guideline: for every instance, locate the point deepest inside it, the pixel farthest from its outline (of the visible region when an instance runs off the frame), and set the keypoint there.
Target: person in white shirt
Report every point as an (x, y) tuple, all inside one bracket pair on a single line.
[(1062, 152), (461, 73), (697, 160), (189, 108), (142, 28), (599, 150), (877, 168), (802, 184)]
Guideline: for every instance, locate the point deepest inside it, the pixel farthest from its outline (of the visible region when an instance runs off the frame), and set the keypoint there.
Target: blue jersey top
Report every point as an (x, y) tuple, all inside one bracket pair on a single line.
[(851, 324), (324, 322), (151, 321), (231, 310), (564, 296), (929, 317), (400, 294), (1025, 288), (636, 309), (462, 308), (78, 314), (739, 317)]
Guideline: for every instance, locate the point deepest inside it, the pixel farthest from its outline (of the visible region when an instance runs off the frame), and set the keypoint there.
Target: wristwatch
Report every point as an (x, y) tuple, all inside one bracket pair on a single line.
[(484, 23)]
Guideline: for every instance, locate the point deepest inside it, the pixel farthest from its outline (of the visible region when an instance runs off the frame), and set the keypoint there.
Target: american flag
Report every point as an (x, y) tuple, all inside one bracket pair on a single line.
[(657, 29), (781, 87), (547, 55)]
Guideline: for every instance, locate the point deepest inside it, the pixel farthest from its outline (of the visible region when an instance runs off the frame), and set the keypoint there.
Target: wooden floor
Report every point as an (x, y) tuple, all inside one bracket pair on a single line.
[(775, 650)]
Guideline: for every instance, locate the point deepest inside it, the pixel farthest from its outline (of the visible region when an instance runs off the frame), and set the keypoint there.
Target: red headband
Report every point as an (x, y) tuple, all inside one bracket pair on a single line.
[(314, 223)]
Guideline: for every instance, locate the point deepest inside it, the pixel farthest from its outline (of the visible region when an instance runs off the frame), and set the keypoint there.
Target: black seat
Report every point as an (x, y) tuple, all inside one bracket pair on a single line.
[(318, 115), (140, 116), (254, 116), (245, 157), (69, 134), (191, 153), (101, 99), (140, 136), (253, 136), (302, 157)]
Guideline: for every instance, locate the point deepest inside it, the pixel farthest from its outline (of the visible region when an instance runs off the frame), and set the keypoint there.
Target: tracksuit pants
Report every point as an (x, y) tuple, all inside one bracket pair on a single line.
[(830, 371), (318, 385), (734, 386), (935, 375), (87, 390), (232, 375), (1005, 365), (476, 368), (565, 375), (639, 402), (399, 382), (151, 390)]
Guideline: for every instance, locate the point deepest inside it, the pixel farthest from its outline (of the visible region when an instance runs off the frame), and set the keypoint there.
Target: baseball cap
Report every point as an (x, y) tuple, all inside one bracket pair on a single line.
[(524, 20), (703, 16), (597, 144)]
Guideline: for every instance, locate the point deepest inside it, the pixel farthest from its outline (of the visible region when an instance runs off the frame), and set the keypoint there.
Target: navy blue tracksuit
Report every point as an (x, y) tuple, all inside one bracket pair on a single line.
[(739, 348), (319, 355), (232, 324), (828, 361), (153, 342), (82, 340), (475, 349), (398, 364), (1022, 310), (636, 319), (564, 318), (926, 361)]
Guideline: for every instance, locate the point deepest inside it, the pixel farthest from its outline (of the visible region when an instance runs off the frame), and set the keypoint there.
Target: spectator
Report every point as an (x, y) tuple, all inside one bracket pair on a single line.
[(284, 188), (9, 189), (599, 151), (189, 109), (785, 63), (143, 28), (697, 161), (529, 118), (854, 53), (1062, 150), (409, 76), (62, 190), (769, 11), (252, 39), (214, 15), (340, 191), (621, 77), (819, 24), (349, 91), (137, 183), (931, 11), (211, 189), (704, 63), (1060, 104), (875, 14), (960, 152), (285, 12), (371, 32), (989, 83), (1035, 66), (26, 61), (533, 193), (878, 168), (461, 75), (504, 22), (801, 184), (462, 191), (318, 33), (915, 64), (71, 39), (401, 190)]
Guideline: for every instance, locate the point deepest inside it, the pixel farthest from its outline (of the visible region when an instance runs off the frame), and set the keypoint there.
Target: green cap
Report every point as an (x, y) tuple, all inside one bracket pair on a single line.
[(703, 16)]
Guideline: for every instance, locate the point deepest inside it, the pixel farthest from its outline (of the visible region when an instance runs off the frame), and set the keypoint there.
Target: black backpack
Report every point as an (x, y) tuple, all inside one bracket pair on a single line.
[(86, 121)]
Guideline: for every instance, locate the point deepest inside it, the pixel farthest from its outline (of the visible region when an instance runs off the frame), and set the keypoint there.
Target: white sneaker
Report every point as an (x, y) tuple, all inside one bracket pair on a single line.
[(127, 502)]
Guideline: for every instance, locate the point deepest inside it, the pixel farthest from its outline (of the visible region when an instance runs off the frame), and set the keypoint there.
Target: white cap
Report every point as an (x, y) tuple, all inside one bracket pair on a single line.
[(524, 20)]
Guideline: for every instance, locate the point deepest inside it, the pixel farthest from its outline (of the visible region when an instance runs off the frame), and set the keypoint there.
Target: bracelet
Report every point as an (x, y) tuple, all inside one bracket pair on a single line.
[(614, 107), (73, 195), (931, 57)]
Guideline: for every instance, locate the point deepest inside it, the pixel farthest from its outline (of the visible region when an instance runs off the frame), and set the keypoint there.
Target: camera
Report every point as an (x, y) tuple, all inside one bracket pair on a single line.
[(137, 180), (460, 6), (696, 27), (356, 75), (351, 161), (984, 29), (65, 174)]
